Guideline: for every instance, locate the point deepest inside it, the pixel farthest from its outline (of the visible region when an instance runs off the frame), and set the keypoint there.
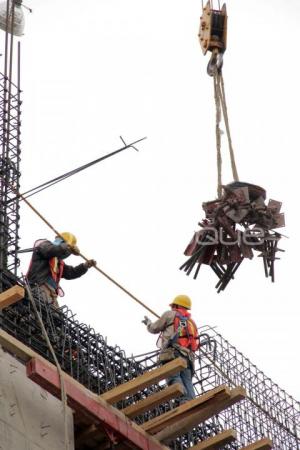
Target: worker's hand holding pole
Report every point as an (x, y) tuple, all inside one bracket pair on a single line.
[(76, 249), (90, 263)]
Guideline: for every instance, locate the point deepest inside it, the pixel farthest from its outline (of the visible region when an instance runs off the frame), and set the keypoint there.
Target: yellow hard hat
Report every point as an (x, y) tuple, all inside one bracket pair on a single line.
[(69, 238), (182, 300)]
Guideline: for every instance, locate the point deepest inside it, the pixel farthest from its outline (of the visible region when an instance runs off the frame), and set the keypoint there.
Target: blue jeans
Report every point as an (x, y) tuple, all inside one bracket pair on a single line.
[(185, 378)]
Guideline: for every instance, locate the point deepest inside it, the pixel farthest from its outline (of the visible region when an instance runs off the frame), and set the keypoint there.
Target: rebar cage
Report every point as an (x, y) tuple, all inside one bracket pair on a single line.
[(268, 411), (10, 112)]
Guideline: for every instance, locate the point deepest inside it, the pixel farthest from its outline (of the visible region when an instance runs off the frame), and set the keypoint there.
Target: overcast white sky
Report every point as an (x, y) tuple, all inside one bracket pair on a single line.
[(93, 70)]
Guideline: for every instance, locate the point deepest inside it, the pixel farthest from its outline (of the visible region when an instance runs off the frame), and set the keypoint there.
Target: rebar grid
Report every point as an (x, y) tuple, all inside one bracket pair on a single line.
[(86, 355), (10, 112), (268, 410)]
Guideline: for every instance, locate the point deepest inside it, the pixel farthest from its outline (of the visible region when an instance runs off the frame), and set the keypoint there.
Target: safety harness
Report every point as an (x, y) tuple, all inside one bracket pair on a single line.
[(186, 333), (56, 268)]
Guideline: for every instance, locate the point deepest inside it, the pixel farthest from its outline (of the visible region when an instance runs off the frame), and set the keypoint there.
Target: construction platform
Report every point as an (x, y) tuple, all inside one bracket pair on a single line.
[(93, 421), (124, 401)]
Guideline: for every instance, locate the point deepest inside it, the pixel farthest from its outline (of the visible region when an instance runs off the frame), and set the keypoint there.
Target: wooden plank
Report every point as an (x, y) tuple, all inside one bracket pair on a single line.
[(173, 391), (11, 296), (190, 407), (141, 382), (218, 441), (82, 400), (212, 407), (263, 444)]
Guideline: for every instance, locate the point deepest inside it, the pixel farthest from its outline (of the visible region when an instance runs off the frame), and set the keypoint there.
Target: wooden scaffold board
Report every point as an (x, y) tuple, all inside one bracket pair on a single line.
[(217, 442), (263, 444), (11, 296)]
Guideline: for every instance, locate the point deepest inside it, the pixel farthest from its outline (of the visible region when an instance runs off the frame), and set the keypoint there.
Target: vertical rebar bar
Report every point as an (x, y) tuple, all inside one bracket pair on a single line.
[(3, 161), (5, 78), (10, 79), (18, 143)]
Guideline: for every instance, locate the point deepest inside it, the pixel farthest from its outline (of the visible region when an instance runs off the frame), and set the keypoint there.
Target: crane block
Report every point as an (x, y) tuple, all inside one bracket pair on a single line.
[(213, 29)]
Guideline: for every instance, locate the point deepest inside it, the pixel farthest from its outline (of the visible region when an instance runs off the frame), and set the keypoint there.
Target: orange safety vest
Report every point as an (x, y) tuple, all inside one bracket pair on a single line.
[(56, 269), (186, 333)]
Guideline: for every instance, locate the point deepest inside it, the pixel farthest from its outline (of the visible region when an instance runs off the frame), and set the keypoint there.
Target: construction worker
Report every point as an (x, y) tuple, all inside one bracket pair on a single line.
[(47, 266), (178, 337)]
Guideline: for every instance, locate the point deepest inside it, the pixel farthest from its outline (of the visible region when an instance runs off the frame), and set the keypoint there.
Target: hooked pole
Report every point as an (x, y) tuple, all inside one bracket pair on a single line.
[(57, 233)]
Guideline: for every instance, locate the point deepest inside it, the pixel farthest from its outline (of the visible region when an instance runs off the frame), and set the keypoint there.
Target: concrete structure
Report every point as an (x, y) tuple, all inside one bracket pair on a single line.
[(30, 417)]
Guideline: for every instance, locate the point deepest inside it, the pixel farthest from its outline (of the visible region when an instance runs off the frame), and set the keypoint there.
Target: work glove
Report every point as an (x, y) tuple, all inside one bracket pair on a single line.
[(90, 263), (146, 321), (74, 250)]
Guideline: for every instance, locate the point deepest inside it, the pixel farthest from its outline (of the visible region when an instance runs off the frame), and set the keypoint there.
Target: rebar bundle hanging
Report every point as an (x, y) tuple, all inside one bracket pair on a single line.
[(239, 222)]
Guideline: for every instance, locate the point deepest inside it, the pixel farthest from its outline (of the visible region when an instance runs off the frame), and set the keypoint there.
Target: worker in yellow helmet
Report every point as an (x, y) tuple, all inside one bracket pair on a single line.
[(178, 337), (47, 266)]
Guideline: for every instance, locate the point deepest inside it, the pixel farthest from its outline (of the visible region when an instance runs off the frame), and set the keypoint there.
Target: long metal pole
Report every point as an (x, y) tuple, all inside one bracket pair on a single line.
[(57, 233)]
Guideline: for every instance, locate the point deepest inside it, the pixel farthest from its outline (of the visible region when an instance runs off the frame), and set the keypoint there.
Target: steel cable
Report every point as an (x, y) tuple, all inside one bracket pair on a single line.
[(221, 107)]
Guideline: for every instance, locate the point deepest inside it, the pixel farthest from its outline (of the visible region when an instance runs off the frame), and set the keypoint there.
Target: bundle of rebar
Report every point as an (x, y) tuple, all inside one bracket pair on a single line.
[(236, 225)]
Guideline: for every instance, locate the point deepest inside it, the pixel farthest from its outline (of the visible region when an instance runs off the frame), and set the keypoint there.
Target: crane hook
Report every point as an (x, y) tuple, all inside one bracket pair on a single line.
[(215, 63)]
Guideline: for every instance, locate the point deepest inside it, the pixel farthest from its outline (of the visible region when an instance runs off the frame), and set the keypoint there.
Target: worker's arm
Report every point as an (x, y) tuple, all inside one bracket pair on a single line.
[(162, 323), (47, 250), (71, 272)]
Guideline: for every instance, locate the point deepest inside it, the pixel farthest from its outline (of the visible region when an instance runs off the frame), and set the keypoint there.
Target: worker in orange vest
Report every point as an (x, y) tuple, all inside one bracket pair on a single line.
[(47, 266), (178, 337)]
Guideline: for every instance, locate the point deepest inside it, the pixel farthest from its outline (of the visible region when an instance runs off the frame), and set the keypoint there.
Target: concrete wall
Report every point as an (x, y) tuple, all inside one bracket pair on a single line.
[(30, 418)]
